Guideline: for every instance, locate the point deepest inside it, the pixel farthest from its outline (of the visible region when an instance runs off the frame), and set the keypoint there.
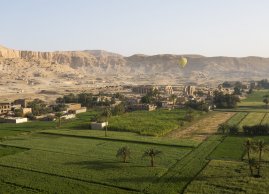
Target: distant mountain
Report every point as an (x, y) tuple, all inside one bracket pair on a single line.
[(98, 62)]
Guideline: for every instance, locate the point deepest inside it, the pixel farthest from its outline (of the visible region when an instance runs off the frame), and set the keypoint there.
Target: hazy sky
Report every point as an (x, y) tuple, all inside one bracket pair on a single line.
[(207, 27)]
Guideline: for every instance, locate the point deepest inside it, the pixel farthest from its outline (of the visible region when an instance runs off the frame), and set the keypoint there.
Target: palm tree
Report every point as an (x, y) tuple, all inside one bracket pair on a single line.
[(173, 97), (248, 147), (124, 153), (107, 113), (266, 100), (59, 115), (151, 153), (259, 146)]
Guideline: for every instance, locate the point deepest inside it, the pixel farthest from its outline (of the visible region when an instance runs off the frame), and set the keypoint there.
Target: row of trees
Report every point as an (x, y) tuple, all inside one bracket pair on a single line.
[(225, 128), (89, 100), (254, 130), (125, 153), (201, 105), (252, 148)]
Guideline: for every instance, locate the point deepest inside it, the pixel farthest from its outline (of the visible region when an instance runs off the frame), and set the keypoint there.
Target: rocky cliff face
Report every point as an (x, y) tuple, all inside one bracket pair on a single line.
[(102, 62)]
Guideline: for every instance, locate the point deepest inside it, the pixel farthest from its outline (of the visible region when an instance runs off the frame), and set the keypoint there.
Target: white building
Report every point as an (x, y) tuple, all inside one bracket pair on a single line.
[(13, 120)]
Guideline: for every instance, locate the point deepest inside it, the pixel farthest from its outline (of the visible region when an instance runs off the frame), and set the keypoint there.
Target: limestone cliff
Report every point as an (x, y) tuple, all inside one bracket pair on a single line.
[(102, 62)]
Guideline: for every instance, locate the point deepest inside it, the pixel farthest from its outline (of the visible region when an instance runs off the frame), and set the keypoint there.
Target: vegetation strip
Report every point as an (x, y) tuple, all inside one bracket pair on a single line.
[(119, 140), (72, 178), (181, 174)]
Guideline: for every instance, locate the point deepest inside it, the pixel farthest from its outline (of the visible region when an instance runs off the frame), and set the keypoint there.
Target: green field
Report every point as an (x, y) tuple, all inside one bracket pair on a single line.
[(155, 123), (237, 118), (254, 101), (37, 157), (89, 160), (265, 119), (122, 136), (229, 177), (232, 148), (253, 118)]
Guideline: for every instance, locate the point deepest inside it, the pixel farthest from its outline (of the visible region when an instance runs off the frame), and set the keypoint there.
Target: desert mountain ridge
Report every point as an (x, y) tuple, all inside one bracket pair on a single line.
[(162, 68), (30, 73)]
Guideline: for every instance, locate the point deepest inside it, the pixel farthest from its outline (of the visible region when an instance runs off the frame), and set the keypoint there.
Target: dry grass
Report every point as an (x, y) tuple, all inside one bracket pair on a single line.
[(204, 127)]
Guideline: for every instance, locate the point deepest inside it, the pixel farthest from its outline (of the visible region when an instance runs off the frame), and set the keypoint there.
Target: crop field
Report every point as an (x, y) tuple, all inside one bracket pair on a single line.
[(231, 148), (265, 119), (37, 157), (253, 118), (178, 177), (122, 136), (237, 118), (229, 177), (254, 101), (156, 123), (88, 160)]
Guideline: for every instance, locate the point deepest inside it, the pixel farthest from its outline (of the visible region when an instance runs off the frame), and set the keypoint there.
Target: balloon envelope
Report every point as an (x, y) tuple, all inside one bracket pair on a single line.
[(182, 62)]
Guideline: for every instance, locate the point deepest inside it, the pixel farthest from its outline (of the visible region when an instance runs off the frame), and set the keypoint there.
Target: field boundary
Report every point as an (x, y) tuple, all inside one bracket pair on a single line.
[(242, 119), (22, 186), (263, 118), (117, 140)]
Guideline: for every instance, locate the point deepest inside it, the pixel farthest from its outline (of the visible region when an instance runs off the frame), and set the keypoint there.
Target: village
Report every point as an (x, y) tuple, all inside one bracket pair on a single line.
[(131, 98)]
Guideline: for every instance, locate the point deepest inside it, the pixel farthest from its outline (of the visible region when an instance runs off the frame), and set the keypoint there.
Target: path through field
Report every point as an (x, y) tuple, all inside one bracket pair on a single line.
[(202, 128)]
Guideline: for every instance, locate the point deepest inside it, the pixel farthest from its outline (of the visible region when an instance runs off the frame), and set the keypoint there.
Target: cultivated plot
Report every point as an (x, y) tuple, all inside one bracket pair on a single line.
[(229, 177)]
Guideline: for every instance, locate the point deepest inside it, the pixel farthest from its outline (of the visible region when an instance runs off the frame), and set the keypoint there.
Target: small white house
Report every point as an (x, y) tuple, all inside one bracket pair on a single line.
[(95, 125), (13, 120)]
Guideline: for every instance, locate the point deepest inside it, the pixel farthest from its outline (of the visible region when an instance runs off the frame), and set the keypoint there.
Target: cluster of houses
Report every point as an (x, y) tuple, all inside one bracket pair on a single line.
[(169, 97), (183, 94), (8, 111)]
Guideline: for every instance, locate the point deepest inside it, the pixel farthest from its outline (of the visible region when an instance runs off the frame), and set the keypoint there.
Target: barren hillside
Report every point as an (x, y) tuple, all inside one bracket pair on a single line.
[(43, 70)]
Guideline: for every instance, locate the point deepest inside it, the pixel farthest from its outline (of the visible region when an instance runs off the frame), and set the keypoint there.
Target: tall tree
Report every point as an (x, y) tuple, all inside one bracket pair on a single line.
[(124, 153), (248, 147), (173, 97), (266, 100), (58, 116), (151, 153), (107, 114), (259, 146)]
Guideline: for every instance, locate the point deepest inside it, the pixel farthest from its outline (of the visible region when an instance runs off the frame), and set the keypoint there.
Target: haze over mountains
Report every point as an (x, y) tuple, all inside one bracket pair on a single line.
[(68, 68)]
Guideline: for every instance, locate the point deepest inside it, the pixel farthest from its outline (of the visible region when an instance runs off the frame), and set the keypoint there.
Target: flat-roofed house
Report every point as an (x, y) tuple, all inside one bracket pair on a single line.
[(5, 107), (75, 108)]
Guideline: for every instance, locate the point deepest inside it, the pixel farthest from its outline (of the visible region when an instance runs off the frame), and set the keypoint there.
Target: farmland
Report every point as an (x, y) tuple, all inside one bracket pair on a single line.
[(229, 177), (155, 123), (237, 118), (85, 160), (254, 102), (253, 118), (37, 157)]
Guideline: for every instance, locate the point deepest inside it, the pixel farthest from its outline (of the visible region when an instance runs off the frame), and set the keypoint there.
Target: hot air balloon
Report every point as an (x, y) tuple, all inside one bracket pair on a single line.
[(182, 62)]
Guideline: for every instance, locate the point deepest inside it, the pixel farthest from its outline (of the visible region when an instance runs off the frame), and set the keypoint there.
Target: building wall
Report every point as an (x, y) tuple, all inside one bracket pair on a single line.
[(13, 120), (143, 89), (189, 90), (26, 111), (4, 108), (77, 111), (73, 106)]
